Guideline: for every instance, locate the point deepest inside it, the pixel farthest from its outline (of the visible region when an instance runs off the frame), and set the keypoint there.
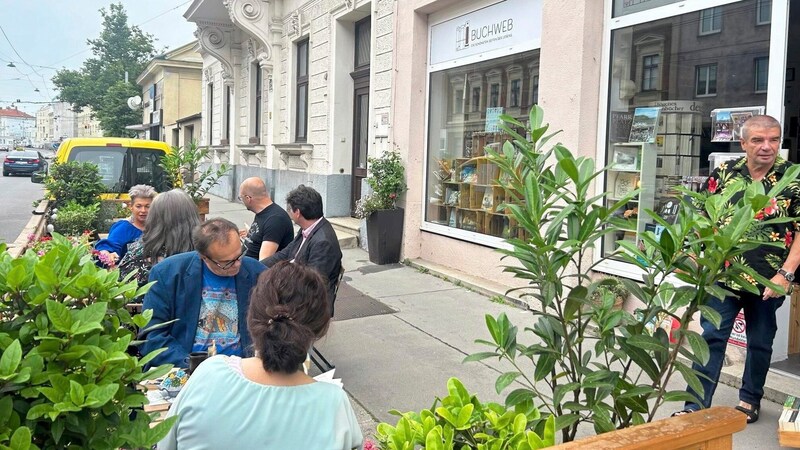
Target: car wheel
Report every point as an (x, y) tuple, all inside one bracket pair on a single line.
[(5, 174)]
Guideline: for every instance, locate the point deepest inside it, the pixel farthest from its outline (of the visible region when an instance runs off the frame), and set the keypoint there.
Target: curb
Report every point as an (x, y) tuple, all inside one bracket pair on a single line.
[(34, 227)]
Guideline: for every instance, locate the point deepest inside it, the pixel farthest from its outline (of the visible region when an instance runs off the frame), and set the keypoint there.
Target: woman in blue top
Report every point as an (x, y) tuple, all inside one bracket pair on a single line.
[(124, 232), (267, 401)]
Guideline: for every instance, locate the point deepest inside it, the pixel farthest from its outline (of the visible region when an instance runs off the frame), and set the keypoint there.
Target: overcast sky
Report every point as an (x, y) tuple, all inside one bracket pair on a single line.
[(53, 33)]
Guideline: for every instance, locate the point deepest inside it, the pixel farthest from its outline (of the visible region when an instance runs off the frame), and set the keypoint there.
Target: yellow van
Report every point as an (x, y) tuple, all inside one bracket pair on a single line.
[(122, 162)]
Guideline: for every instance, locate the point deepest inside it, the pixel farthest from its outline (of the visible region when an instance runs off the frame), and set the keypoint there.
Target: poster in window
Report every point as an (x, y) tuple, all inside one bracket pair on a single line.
[(625, 184), (620, 127), (626, 158), (643, 128), (493, 119), (726, 123)]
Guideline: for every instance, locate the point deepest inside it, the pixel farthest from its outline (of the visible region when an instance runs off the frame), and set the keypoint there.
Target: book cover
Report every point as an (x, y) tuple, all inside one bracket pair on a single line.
[(645, 122)]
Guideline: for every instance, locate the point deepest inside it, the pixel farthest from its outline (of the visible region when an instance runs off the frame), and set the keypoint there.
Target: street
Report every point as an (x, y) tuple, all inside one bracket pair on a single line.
[(17, 195)]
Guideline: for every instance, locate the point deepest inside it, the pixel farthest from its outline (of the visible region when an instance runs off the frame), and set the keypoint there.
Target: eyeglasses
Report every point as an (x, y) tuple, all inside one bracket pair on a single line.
[(225, 265), (242, 197)]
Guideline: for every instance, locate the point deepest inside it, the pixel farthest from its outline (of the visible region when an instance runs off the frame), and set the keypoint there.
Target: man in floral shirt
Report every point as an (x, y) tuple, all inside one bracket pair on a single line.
[(761, 139)]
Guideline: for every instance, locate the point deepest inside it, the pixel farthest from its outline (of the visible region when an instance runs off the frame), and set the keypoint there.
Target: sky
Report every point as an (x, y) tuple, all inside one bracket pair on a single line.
[(47, 35)]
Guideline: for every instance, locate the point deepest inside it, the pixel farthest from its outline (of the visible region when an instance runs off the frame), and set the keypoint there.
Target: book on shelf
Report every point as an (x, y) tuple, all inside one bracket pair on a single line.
[(789, 419)]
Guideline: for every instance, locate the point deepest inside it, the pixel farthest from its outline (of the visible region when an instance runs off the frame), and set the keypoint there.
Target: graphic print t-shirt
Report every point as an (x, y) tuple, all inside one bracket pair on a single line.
[(219, 315)]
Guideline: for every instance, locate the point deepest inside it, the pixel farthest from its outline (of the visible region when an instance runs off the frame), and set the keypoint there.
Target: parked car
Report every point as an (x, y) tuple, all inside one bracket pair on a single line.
[(122, 162), (24, 161), (5, 147)]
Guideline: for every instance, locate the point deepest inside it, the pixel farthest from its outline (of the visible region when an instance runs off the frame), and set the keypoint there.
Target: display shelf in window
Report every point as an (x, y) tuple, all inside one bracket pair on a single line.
[(632, 167)]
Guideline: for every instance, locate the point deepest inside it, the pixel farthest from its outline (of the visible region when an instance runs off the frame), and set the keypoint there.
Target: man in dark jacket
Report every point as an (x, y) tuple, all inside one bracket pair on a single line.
[(316, 244), (207, 292)]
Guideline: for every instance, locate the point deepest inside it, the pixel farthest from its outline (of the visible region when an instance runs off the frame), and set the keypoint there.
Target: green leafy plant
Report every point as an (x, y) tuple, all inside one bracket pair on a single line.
[(74, 181), (183, 167), (463, 422), (610, 289), (387, 180), (66, 379), (592, 364), (73, 218)]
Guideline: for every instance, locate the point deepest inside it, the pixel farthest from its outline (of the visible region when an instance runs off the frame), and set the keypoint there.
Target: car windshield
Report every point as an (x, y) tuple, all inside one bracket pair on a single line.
[(123, 167)]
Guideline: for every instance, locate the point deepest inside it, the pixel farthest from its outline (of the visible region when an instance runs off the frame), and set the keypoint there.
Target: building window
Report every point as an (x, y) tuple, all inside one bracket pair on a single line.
[(301, 100), (711, 20), (494, 95), (650, 72), (210, 101), (706, 80), (514, 93), (363, 45), (763, 12), (227, 129), (761, 65), (188, 134), (257, 101), (535, 89), (463, 190), (667, 145), (459, 102), (476, 99)]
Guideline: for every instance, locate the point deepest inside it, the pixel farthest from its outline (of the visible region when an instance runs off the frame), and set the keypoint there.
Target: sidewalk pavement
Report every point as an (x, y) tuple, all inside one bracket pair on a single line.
[(403, 360)]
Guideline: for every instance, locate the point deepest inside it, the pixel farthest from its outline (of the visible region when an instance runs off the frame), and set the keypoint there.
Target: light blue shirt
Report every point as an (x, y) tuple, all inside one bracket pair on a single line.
[(220, 408)]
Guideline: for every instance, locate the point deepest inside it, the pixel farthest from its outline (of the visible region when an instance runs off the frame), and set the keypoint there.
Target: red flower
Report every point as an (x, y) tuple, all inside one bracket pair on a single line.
[(788, 239), (760, 215), (772, 208), (712, 185), (727, 264), (392, 196)]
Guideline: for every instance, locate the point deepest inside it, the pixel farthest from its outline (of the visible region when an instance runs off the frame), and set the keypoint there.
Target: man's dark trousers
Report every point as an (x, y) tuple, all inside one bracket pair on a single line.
[(761, 327)]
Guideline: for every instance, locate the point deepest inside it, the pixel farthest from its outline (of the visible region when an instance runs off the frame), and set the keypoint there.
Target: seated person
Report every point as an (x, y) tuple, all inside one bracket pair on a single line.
[(316, 245), (272, 229), (267, 401), (207, 291), (168, 231), (123, 232)]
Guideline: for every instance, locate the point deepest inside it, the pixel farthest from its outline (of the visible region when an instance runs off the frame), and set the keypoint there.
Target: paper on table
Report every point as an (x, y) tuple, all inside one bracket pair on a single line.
[(327, 377)]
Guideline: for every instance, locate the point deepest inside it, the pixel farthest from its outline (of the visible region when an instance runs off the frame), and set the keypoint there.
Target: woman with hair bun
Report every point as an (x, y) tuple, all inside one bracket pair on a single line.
[(267, 401)]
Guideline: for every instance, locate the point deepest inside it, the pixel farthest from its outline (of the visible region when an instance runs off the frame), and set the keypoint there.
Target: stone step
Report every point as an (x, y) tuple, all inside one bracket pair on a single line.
[(347, 230)]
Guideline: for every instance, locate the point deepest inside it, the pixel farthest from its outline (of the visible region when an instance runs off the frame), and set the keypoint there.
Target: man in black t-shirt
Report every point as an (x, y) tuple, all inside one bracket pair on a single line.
[(272, 228)]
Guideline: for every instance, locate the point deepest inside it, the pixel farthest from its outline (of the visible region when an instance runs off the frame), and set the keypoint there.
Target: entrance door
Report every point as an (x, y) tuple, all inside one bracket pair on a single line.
[(360, 76), (360, 140)]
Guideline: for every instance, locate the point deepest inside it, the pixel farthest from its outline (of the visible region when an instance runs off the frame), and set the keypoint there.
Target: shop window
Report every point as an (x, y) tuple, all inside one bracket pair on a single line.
[(706, 80), (711, 20), (763, 12), (761, 74), (650, 73), (458, 108), (661, 142), (463, 189), (301, 92)]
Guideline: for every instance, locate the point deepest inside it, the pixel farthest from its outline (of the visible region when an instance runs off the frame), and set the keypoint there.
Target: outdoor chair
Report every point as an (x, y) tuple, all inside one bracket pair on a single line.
[(316, 356)]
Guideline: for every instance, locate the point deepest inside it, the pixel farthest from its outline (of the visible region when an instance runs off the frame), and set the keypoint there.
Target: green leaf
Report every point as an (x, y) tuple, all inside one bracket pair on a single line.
[(433, 441), (504, 380), (646, 343), (480, 356), (101, 395), (59, 316), (11, 358), (518, 396), (15, 277), (76, 393), (698, 345), (21, 439), (93, 313), (711, 315), (46, 274)]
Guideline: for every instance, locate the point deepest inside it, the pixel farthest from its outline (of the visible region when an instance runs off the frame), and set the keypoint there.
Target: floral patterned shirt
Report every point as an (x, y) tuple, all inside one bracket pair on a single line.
[(135, 260), (764, 260)]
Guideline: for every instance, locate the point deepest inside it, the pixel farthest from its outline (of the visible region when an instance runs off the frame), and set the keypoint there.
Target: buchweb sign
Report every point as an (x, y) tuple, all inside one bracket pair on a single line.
[(499, 26)]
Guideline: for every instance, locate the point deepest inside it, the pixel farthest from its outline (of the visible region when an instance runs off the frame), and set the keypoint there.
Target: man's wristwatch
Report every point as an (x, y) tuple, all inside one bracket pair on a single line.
[(788, 275)]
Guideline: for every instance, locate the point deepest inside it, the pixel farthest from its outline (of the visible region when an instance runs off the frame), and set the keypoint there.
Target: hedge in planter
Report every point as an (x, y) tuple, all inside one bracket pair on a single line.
[(65, 376)]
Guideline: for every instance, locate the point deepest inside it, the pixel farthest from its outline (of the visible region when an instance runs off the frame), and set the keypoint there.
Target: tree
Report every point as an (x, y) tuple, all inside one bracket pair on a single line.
[(100, 82)]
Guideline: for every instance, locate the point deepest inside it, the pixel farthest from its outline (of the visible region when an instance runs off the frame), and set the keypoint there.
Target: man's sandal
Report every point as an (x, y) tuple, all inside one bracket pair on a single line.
[(751, 413), (683, 412)]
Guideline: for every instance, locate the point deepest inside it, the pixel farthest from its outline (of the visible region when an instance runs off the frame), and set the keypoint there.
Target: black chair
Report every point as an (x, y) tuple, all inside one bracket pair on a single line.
[(315, 355)]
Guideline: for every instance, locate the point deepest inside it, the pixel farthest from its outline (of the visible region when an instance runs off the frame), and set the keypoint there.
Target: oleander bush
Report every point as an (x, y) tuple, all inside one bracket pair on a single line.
[(66, 378)]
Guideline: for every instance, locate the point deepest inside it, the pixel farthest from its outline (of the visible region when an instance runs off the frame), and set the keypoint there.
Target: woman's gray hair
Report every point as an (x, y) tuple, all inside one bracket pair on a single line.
[(142, 191), (168, 230)]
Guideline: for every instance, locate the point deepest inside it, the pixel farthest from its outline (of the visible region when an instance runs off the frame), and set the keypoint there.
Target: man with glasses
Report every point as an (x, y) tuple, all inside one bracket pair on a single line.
[(271, 229), (205, 293)]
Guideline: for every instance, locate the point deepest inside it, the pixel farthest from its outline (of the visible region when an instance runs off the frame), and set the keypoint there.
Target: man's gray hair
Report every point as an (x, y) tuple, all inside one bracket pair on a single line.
[(142, 191)]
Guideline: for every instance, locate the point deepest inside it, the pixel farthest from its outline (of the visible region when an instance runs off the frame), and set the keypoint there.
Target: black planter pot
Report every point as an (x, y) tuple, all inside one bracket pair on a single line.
[(385, 235)]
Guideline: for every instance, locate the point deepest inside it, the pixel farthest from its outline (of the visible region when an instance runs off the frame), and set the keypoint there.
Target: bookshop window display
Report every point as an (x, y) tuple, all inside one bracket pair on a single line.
[(463, 191), (678, 94)]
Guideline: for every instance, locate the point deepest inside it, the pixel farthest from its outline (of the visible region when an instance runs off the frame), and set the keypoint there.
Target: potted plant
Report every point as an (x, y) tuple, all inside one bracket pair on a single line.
[(183, 168), (66, 378), (612, 291), (379, 208), (587, 364)]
